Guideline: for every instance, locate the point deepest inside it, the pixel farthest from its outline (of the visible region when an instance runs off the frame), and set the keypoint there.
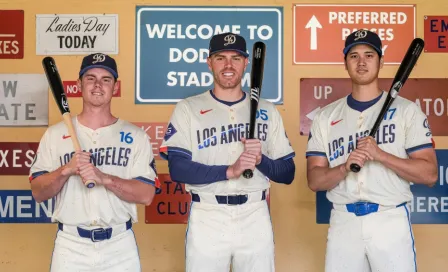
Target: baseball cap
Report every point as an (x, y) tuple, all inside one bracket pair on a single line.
[(363, 36), (99, 60), (227, 41)]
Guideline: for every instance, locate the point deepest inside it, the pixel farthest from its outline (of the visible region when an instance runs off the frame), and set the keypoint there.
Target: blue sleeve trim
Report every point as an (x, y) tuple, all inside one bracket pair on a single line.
[(287, 157), (36, 174), (315, 153), (146, 180), (419, 147), (164, 151)]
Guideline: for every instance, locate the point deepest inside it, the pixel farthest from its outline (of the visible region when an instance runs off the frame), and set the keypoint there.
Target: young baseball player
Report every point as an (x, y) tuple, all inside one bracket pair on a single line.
[(95, 224), (206, 147), (370, 226)]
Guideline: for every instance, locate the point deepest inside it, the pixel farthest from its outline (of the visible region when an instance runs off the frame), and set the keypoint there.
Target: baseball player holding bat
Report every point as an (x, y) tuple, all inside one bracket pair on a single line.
[(207, 149), (95, 224), (370, 227)]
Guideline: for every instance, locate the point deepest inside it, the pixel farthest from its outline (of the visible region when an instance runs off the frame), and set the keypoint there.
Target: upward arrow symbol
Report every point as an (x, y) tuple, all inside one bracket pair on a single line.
[(314, 24)]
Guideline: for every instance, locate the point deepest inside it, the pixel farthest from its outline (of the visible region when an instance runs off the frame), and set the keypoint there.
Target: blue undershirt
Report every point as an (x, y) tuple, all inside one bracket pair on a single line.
[(184, 170), (361, 106)]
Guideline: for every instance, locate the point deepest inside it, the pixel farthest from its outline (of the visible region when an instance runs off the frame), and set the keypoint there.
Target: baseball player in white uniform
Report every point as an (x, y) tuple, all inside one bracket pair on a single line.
[(370, 227), (229, 222), (94, 225)]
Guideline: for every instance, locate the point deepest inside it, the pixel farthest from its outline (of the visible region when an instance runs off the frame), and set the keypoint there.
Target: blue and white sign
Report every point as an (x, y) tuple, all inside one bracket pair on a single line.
[(19, 206), (172, 49), (429, 206)]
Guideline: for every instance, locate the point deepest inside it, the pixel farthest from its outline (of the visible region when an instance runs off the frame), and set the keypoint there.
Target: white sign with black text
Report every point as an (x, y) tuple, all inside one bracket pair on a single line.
[(23, 100), (76, 34)]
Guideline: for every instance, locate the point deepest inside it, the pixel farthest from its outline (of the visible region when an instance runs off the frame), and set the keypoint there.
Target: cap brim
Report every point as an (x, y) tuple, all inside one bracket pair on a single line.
[(236, 50), (346, 49), (98, 66)]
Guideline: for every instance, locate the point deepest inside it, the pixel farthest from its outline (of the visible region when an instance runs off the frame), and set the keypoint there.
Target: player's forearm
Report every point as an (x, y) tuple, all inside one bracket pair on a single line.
[(130, 190), (419, 171), (48, 185), (325, 178), (280, 171)]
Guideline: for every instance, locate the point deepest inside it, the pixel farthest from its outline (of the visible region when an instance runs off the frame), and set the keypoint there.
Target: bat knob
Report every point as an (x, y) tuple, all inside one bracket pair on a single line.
[(90, 184), (248, 173), (355, 168)]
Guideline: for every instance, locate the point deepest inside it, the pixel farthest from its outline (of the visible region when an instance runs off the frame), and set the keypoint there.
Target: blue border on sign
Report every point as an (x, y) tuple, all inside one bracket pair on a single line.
[(140, 8)]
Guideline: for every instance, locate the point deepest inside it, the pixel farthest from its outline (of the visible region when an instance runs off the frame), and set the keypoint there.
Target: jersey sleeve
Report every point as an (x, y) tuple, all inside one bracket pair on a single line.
[(316, 145), (43, 162), (144, 168), (418, 132), (177, 136), (279, 145)]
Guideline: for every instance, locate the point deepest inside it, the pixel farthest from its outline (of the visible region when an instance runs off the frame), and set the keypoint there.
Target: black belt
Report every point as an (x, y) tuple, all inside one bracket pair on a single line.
[(98, 234), (228, 199)]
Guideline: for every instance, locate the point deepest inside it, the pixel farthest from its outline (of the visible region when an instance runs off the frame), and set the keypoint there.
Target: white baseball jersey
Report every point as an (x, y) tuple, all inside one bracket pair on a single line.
[(121, 149), (210, 132), (333, 135)]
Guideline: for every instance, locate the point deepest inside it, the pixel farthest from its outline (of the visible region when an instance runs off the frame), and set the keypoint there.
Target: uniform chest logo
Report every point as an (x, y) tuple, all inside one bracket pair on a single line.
[(205, 111), (335, 122), (65, 136)]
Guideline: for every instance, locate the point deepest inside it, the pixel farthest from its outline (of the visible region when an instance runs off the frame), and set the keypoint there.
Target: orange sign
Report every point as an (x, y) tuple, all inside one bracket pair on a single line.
[(436, 34), (430, 94), (72, 90), (320, 30), (171, 204), (155, 131)]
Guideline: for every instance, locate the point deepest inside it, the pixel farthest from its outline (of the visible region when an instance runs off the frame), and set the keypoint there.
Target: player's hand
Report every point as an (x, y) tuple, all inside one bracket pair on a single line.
[(357, 156), (78, 159), (89, 172), (368, 144), (253, 146), (245, 161)]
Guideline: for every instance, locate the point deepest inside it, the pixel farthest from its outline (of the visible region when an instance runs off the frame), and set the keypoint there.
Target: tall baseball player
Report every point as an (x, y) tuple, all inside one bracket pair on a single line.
[(229, 221), (370, 226), (95, 224)]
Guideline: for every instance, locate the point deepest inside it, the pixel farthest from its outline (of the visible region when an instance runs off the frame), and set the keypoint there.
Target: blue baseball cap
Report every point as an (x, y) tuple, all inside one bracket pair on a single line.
[(363, 36), (99, 60), (227, 41)]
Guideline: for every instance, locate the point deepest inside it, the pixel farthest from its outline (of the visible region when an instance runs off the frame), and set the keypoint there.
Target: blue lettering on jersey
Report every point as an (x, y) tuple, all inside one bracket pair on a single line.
[(345, 145), (262, 114), (231, 133), (126, 137), (170, 131), (118, 156)]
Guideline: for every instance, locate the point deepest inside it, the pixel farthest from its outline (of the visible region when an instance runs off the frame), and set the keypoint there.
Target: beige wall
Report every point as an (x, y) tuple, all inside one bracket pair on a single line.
[(300, 242)]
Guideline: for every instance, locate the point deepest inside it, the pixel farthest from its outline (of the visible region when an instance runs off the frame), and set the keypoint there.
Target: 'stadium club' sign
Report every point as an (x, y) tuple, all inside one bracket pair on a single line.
[(76, 34)]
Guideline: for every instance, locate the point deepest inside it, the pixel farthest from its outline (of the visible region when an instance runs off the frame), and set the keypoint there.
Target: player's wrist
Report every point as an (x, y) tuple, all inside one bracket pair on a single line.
[(230, 173), (343, 169)]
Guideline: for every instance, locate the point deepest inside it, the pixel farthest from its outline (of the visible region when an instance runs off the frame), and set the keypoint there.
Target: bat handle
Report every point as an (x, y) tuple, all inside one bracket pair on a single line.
[(71, 130), (248, 173), (355, 168)]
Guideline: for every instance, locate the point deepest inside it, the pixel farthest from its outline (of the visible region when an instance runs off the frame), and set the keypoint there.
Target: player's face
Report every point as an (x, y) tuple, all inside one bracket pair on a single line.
[(227, 68), (363, 64), (97, 86)]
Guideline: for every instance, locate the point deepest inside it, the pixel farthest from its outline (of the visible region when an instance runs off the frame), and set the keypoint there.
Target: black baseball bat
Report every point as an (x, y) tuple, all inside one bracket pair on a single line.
[(256, 80), (54, 80), (406, 66)]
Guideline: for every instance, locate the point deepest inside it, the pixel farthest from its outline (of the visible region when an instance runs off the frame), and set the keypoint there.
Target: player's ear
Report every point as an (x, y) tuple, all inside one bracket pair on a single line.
[(209, 63), (381, 62), (246, 61), (79, 83), (116, 87)]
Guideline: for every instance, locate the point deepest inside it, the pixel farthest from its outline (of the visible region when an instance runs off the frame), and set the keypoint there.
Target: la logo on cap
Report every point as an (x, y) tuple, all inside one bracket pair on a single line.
[(360, 34), (229, 39), (98, 58)]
